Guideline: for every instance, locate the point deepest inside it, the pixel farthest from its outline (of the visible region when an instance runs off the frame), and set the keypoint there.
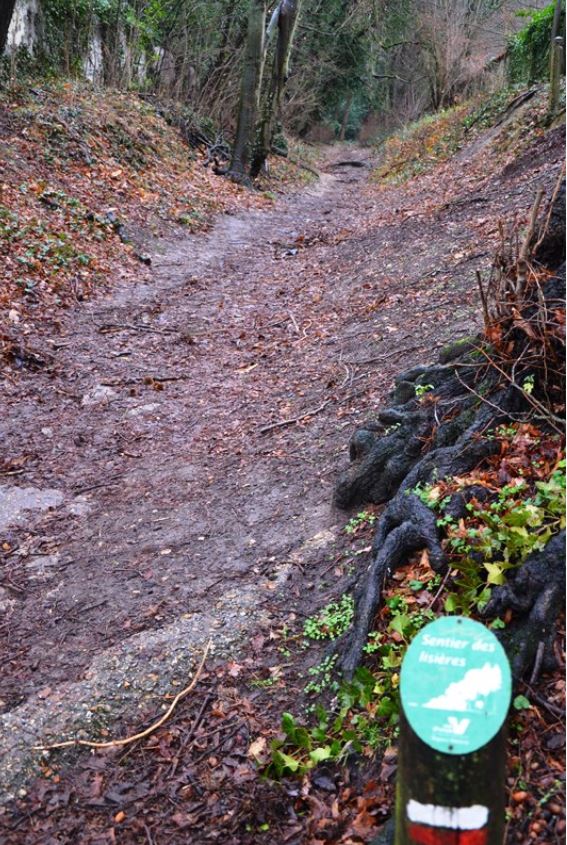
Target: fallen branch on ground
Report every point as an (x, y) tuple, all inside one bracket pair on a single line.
[(283, 423), (297, 163), (109, 327)]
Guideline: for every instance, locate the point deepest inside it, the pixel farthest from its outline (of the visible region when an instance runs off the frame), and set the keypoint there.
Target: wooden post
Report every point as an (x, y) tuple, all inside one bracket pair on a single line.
[(436, 791), (455, 688)]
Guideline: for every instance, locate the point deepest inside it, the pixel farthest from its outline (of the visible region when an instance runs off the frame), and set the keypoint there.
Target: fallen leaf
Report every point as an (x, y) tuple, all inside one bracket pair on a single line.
[(257, 748)]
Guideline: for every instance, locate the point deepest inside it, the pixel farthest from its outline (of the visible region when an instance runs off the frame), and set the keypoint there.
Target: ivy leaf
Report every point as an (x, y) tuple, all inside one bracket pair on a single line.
[(284, 761), (320, 754), (399, 623), (495, 574), (416, 585)]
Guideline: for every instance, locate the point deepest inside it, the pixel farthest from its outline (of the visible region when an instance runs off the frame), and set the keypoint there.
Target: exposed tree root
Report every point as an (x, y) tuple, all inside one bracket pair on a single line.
[(436, 428), (535, 594), (395, 462)]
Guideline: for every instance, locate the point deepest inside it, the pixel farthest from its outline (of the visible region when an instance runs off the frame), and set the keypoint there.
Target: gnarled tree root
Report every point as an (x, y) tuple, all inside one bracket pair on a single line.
[(388, 464), (535, 594)]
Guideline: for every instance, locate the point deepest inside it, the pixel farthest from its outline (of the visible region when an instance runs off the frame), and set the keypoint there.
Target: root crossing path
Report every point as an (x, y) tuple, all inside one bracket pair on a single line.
[(173, 464)]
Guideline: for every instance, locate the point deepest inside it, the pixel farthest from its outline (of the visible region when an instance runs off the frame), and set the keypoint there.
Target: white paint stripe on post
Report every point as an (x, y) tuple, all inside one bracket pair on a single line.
[(454, 818)]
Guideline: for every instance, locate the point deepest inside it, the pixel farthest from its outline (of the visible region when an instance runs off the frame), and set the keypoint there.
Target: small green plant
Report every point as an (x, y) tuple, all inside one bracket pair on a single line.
[(365, 710), (361, 518), (555, 787), (372, 642), (507, 430), (422, 389), (391, 428), (263, 683), (406, 622), (528, 385), (430, 495), (497, 536), (322, 675), (331, 622)]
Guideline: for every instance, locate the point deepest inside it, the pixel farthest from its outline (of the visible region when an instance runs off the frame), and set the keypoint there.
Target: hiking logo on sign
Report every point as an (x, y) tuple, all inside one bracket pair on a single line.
[(459, 702)]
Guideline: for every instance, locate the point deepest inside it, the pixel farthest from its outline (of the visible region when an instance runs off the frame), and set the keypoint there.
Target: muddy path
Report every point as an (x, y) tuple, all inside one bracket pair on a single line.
[(168, 475)]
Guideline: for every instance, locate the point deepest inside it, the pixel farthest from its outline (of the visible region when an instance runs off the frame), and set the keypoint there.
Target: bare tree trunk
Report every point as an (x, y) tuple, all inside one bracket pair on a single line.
[(6, 10), (555, 56), (288, 15), (346, 118), (249, 91)]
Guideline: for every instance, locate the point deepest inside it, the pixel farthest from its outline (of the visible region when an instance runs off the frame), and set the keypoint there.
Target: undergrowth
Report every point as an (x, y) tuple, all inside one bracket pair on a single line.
[(519, 503), (528, 50), (79, 169), (436, 137)]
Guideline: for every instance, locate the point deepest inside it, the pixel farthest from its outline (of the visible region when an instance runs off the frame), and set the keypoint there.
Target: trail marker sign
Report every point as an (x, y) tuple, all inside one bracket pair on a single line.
[(455, 685), (455, 689)]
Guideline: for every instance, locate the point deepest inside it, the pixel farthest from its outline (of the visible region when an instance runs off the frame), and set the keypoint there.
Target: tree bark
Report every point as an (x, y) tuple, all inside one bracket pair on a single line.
[(286, 23), (6, 11), (555, 54), (346, 118), (249, 92)]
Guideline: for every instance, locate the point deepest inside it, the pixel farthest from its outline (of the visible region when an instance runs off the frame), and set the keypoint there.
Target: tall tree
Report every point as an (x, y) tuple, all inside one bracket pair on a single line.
[(285, 19), (6, 11), (556, 48), (251, 87)]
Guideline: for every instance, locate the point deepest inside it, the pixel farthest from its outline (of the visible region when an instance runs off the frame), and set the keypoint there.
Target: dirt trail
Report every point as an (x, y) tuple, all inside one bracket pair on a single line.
[(161, 500)]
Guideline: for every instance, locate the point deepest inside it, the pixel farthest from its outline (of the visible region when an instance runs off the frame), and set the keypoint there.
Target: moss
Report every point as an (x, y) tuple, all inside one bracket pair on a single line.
[(457, 348)]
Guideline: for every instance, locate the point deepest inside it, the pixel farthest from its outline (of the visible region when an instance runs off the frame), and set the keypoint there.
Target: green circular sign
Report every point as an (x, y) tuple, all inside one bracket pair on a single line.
[(455, 685)]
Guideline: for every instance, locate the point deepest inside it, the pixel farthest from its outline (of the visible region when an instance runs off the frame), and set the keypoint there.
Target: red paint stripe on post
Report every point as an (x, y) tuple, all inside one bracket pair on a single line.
[(424, 835)]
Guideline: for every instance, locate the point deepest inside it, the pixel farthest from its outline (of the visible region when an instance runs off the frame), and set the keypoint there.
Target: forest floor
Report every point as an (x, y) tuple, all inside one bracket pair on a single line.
[(170, 454)]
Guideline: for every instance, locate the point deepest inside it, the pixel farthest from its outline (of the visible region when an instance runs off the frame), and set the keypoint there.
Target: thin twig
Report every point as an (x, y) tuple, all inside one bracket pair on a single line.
[(483, 398), (553, 420), (531, 226), (77, 491), (294, 420), (189, 736), (134, 327), (113, 743), (293, 320), (224, 739), (537, 663), (483, 300), (348, 377), (440, 590), (522, 263), (385, 357), (551, 708)]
